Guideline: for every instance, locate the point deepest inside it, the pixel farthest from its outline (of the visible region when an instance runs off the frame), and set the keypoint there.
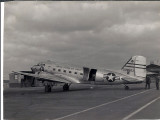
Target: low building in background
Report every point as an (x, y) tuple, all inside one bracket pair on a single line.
[(5, 84), (154, 66), (14, 80), (153, 69)]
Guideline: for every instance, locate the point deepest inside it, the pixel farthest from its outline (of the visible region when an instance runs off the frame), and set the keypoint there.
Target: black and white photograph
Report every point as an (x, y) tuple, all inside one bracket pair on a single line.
[(81, 60)]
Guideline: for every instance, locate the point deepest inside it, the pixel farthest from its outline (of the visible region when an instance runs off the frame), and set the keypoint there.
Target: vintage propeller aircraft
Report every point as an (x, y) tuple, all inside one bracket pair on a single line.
[(133, 72)]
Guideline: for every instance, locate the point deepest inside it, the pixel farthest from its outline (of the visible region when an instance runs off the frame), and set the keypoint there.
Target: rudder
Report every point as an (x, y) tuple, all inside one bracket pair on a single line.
[(136, 66)]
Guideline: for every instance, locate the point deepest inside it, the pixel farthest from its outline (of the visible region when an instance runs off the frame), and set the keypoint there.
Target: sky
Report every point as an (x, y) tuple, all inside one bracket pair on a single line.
[(92, 33)]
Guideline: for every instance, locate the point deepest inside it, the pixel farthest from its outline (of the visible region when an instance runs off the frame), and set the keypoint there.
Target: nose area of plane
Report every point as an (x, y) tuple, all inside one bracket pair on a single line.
[(35, 68)]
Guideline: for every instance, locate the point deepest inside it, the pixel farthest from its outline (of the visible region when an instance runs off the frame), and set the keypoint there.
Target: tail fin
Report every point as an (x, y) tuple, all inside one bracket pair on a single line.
[(136, 66)]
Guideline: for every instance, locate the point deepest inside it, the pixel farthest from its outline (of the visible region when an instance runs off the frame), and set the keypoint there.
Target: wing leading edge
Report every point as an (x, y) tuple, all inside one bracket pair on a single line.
[(52, 78)]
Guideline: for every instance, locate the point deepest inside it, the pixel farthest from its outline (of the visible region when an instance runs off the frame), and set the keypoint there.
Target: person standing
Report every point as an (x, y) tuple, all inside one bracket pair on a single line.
[(148, 81), (22, 82), (157, 82)]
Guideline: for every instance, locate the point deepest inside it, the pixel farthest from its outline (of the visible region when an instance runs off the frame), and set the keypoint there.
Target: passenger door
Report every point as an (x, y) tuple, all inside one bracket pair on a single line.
[(86, 72)]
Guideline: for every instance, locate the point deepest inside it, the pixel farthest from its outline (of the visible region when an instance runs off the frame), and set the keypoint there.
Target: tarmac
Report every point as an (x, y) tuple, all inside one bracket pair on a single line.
[(82, 102)]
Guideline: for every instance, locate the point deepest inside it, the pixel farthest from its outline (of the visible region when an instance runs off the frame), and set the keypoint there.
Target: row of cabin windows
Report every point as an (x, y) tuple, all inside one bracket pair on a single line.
[(59, 70)]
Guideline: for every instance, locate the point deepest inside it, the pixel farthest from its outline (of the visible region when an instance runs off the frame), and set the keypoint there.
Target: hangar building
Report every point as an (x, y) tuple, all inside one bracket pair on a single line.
[(153, 68)]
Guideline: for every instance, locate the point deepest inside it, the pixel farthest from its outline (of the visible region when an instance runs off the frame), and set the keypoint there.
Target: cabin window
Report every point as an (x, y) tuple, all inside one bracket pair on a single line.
[(59, 70), (64, 70), (70, 72), (54, 69), (81, 73), (75, 73)]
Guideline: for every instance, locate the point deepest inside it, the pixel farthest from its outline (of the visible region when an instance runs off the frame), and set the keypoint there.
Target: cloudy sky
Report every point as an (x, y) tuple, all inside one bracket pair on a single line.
[(101, 34)]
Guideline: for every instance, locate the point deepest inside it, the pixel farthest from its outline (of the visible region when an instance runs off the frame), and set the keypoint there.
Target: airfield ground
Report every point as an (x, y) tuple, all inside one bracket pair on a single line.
[(82, 102)]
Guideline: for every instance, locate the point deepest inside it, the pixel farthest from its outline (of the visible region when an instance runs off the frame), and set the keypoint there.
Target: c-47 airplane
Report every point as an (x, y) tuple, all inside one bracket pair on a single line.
[(133, 72)]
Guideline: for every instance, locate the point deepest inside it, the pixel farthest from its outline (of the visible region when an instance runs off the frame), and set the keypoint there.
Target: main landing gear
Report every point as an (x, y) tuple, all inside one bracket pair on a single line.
[(66, 87), (126, 87), (48, 88)]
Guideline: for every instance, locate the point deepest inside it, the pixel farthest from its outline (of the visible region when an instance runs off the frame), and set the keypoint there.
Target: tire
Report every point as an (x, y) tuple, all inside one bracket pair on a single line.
[(65, 87), (48, 88), (126, 88)]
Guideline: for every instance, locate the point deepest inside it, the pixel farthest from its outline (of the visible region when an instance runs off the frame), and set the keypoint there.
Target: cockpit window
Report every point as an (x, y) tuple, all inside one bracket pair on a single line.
[(40, 64), (81, 73)]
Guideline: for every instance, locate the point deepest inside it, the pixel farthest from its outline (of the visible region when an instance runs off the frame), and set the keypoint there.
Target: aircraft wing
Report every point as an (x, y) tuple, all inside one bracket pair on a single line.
[(52, 77)]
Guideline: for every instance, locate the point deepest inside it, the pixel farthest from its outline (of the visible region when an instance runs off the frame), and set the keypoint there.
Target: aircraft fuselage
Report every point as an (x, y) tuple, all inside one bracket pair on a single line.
[(84, 75)]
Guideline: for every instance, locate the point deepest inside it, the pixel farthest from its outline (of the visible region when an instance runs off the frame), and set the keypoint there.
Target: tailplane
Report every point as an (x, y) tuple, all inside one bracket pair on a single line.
[(136, 66)]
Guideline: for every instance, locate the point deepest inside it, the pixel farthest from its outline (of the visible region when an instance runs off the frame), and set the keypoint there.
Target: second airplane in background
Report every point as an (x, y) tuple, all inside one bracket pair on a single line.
[(133, 72)]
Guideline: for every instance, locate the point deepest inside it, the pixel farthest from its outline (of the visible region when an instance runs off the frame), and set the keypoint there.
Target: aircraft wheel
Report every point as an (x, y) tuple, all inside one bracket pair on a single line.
[(47, 88), (65, 87), (126, 88)]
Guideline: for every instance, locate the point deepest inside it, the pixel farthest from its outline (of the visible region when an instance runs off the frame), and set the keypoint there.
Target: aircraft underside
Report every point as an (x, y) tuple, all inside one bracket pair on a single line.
[(48, 86)]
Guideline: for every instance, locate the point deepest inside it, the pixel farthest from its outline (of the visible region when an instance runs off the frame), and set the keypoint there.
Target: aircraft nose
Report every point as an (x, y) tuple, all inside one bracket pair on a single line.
[(33, 69), (36, 68)]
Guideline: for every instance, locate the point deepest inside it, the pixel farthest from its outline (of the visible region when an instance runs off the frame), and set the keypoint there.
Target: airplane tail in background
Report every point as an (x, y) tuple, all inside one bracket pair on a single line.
[(136, 66)]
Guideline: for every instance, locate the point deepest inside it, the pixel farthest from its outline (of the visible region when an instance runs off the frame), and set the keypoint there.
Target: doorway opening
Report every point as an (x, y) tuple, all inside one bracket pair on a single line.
[(89, 74), (92, 75)]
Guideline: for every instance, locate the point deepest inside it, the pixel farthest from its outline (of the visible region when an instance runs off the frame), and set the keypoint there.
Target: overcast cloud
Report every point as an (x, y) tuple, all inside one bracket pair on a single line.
[(101, 34)]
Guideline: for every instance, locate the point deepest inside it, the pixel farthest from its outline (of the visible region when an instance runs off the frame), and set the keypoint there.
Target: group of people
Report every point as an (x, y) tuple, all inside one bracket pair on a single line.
[(148, 81)]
